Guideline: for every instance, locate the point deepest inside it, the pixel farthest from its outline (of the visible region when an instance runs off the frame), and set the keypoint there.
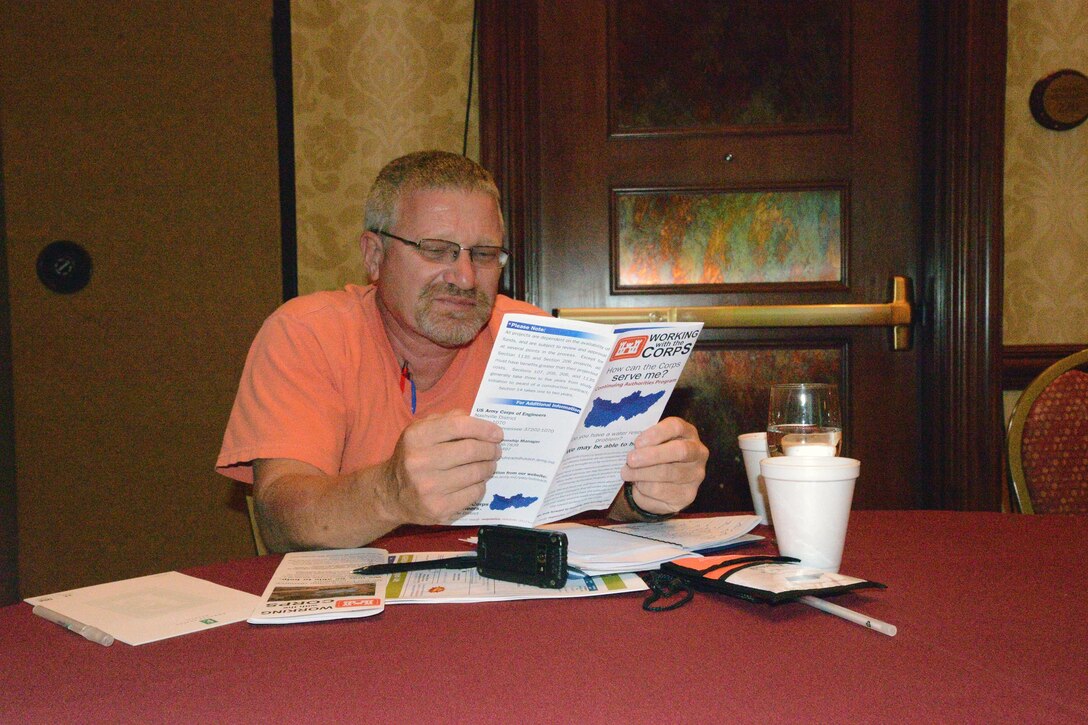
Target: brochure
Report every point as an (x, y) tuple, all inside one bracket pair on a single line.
[(450, 586), (571, 397), (311, 586)]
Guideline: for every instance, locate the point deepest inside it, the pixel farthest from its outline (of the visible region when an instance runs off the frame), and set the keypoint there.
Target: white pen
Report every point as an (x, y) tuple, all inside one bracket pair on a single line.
[(850, 615), (84, 630)]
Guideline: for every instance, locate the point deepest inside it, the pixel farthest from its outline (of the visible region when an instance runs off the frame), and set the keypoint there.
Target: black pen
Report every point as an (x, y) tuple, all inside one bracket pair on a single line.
[(456, 562)]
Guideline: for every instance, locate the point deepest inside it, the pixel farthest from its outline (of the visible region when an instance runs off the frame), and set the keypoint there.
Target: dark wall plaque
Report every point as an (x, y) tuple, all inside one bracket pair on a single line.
[(1060, 101)]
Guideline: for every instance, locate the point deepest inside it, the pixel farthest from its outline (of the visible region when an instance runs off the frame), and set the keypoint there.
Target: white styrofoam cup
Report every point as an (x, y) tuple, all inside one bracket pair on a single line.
[(809, 498), (753, 447)]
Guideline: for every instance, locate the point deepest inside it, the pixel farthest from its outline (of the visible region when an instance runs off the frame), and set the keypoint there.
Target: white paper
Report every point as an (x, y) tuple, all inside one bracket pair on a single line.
[(699, 534), (571, 397), (150, 608), (646, 546), (311, 586), (785, 577), (448, 586)]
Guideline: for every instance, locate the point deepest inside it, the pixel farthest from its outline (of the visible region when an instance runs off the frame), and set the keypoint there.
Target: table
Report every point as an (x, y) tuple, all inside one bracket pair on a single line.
[(990, 607)]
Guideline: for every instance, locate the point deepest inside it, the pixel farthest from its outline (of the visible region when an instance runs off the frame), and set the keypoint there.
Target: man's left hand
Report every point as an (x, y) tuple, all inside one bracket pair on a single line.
[(666, 466)]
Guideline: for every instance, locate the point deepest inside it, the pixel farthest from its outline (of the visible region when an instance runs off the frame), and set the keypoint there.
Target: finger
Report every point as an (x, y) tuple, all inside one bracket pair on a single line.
[(659, 497), (676, 450), (666, 430), (441, 468), (442, 428)]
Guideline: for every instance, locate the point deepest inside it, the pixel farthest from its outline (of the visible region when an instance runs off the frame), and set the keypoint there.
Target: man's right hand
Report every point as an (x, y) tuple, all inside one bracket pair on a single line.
[(441, 465)]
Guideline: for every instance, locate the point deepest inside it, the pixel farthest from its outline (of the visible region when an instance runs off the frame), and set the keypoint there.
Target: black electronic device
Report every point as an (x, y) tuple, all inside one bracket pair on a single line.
[(527, 556)]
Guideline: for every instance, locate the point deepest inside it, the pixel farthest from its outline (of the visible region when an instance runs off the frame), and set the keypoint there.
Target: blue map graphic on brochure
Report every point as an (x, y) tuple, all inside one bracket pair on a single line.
[(517, 501), (605, 412)]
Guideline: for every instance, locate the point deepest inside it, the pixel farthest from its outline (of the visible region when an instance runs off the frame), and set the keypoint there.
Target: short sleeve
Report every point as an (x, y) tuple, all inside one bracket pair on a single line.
[(289, 403)]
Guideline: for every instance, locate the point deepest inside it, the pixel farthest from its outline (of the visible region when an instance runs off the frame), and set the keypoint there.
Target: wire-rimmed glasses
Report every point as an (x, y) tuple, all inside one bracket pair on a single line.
[(443, 251)]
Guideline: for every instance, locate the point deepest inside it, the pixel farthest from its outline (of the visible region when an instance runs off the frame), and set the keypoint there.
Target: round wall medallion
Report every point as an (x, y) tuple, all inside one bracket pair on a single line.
[(64, 267), (1060, 101)]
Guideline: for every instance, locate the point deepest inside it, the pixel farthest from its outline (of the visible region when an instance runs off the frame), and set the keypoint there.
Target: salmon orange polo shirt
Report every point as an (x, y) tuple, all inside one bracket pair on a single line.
[(321, 385)]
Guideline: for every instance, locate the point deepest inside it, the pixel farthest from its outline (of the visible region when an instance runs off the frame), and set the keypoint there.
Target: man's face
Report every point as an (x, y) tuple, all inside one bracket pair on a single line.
[(446, 304)]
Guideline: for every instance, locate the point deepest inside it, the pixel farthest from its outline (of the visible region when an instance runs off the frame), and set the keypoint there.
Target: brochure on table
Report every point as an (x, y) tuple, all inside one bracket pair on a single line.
[(317, 585), (571, 397), (311, 586), (150, 608), (448, 586)]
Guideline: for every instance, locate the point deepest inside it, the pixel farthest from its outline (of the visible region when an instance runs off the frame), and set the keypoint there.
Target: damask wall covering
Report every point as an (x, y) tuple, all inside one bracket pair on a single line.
[(1046, 182), (373, 79)]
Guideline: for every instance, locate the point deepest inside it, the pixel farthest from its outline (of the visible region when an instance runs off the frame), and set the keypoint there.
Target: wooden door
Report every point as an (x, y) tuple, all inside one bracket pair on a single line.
[(592, 172), (146, 134)]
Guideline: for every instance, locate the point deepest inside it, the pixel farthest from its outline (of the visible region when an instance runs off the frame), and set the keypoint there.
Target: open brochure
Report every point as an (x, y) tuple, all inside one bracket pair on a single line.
[(571, 397), (460, 586), (311, 586)]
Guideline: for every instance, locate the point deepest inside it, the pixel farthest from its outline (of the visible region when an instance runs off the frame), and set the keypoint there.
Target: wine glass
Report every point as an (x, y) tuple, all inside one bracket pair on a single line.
[(804, 419)]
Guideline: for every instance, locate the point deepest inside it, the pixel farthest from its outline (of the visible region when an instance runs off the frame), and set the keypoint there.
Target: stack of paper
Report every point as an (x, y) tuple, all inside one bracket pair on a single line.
[(597, 550), (147, 608)]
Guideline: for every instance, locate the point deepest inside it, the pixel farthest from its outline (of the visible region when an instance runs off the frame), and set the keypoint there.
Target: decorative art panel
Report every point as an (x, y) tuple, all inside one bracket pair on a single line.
[(774, 65), (713, 240), (724, 391)]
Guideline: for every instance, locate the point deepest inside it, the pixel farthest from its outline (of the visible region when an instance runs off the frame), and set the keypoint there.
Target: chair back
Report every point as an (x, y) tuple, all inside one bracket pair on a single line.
[(258, 540), (1048, 440)]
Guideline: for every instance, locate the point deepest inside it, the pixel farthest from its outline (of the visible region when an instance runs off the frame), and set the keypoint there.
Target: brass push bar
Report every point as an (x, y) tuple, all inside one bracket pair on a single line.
[(895, 314)]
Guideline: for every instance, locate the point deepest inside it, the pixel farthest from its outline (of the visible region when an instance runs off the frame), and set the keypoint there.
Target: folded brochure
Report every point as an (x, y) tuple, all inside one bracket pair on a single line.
[(571, 397)]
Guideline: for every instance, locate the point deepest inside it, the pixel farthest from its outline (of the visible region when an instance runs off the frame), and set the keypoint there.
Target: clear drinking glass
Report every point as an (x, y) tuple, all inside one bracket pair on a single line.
[(804, 419)]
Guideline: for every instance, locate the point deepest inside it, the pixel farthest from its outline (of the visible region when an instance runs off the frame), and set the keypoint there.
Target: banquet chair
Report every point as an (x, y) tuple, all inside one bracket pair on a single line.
[(258, 539), (1047, 440)]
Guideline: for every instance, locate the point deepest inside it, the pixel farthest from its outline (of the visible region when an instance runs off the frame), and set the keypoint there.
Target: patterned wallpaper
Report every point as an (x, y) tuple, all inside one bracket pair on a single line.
[(1046, 182), (373, 79)]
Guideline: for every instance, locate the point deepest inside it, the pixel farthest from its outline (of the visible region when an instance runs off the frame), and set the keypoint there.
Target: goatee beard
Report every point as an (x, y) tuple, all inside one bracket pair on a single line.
[(455, 329)]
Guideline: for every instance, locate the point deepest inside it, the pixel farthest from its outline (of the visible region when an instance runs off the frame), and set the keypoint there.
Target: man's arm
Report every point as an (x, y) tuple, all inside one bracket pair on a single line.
[(439, 467), (666, 467)]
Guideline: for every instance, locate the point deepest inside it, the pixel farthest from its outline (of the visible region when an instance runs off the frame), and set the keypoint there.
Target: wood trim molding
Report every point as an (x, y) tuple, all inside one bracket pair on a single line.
[(965, 271), (1023, 363), (509, 131)]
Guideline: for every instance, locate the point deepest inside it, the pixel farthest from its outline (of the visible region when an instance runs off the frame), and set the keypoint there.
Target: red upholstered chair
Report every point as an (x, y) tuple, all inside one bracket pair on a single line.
[(1048, 440)]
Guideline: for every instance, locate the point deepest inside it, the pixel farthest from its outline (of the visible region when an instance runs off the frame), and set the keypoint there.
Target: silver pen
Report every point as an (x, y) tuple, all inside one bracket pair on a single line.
[(84, 630)]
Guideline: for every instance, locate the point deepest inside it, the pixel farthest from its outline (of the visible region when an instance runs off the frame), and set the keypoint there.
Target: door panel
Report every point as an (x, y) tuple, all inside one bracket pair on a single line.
[(957, 327), (146, 133), (874, 158)]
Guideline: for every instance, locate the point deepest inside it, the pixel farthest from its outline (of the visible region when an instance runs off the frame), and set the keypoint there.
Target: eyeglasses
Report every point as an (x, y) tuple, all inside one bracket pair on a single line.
[(445, 252)]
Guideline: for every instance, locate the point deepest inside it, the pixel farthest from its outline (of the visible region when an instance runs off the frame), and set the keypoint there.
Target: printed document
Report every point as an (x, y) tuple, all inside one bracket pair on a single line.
[(571, 397), (449, 586), (596, 550), (311, 586), (149, 608)]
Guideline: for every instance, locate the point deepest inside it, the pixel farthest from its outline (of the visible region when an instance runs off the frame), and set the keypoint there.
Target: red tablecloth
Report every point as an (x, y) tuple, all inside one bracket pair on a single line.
[(991, 611)]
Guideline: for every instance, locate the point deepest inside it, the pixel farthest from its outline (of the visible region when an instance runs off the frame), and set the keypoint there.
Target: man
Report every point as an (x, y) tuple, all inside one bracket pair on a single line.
[(352, 413)]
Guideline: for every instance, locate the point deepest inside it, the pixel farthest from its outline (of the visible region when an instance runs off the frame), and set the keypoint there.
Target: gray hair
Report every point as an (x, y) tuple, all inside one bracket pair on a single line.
[(424, 170)]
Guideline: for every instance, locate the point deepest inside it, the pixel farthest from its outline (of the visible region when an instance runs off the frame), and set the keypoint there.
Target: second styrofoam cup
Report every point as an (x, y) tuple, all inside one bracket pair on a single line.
[(810, 500), (753, 448)]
